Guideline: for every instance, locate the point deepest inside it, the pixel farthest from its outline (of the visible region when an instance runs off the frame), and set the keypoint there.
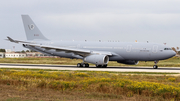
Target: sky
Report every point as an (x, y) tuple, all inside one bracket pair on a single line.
[(156, 21)]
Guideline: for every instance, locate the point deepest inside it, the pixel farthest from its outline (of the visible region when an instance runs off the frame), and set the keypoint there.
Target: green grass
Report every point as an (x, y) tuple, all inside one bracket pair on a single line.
[(172, 62)]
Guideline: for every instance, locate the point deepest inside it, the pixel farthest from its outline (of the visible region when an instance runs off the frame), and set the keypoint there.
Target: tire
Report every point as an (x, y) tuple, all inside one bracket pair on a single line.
[(104, 66), (78, 65), (98, 65), (83, 65), (155, 66), (86, 65)]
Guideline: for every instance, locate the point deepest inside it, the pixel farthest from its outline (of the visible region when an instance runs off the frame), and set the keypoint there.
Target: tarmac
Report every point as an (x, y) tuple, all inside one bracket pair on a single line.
[(93, 68)]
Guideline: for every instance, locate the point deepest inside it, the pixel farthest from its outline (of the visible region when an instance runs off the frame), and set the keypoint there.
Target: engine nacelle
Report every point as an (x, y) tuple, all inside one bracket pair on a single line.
[(97, 59), (129, 62), (24, 45)]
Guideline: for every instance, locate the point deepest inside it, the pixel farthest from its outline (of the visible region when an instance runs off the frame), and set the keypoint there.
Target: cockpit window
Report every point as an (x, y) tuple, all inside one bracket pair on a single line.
[(167, 48)]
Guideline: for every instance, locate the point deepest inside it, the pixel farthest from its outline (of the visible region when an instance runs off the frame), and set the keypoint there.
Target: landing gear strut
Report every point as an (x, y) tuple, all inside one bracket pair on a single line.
[(103, 66), (82, 65), (155, 66)]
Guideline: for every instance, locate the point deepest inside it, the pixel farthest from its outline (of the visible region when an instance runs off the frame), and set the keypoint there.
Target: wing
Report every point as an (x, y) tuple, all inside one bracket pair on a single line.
[(81, 52)]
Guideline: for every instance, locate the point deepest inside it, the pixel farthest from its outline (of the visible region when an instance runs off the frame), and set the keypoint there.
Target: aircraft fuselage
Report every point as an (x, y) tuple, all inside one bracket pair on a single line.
[(120, 50)]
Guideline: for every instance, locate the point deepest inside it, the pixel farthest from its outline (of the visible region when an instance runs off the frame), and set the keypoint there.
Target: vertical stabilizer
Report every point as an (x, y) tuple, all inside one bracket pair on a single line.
[(31, 30)]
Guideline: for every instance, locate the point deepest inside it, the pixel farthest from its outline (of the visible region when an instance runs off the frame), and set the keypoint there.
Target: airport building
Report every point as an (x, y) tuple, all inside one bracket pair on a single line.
[(2, 55), (15, 55), (11, 54), (35, 54)]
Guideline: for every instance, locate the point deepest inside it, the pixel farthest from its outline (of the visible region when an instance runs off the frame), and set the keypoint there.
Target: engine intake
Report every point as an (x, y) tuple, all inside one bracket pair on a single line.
[(24, 45), (97, 59)]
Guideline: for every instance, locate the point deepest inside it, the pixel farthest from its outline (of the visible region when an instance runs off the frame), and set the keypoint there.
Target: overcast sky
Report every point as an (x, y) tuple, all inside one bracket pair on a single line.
[(124, 20)]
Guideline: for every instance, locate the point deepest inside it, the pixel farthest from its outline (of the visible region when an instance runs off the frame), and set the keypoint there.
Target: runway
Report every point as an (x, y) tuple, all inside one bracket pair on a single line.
[(93, 68)]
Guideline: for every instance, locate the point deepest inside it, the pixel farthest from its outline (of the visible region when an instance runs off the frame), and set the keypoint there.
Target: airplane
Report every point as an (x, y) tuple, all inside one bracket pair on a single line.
[(98, 53)]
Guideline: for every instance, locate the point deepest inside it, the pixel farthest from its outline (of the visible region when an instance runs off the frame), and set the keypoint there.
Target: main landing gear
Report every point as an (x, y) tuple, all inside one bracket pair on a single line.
[(103, 66), (82, 65), (155, 66)]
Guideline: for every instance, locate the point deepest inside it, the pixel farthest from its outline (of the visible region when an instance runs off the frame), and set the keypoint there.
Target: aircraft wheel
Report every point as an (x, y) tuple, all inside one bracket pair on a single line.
[(155, 66), (87, 65), (104, 66), (98, 65), (79, 65), (83, 65)]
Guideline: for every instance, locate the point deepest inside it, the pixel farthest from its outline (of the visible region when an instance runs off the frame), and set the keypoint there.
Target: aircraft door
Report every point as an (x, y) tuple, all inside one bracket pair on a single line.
[(128, 49), (78, 46), (155, 49)]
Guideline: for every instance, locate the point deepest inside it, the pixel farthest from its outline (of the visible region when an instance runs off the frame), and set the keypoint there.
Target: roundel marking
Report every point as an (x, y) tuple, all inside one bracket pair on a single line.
[(31, 27)]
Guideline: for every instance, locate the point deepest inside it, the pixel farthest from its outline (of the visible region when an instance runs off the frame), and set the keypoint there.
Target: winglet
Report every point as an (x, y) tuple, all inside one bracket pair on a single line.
[(10, 39), (16, 41)]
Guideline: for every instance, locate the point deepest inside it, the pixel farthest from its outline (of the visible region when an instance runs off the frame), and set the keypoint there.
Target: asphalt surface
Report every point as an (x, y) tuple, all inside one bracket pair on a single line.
[(93, 68)]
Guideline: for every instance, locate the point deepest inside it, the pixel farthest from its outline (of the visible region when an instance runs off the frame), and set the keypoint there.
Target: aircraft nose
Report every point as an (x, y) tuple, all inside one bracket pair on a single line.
[(170, 54), (173, 53)]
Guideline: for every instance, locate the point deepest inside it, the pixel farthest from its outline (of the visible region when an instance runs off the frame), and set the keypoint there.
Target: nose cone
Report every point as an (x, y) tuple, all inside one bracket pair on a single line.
[(170, 54), (173, 53)]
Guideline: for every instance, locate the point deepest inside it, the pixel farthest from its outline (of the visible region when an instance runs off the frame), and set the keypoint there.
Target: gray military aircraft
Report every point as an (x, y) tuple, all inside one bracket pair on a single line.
[(98, 53)]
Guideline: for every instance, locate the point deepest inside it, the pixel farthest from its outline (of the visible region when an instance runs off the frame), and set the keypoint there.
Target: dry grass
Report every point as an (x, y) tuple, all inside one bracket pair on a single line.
[(13, 93), (85, 86)]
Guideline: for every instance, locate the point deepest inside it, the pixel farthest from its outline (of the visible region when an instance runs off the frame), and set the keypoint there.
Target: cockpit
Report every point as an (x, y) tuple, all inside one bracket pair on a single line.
[(167, 48)]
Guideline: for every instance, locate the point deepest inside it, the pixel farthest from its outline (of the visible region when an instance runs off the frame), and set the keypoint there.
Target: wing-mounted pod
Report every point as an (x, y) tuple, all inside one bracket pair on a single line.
[(97, 59), (129, 62)]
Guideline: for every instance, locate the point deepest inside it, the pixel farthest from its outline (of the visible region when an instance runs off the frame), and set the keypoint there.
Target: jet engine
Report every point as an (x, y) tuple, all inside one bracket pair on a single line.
[(24, 45), (97, 59), (129, 62)]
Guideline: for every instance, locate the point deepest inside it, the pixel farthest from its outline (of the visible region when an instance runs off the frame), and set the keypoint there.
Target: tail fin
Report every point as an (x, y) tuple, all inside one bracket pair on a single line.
[(31, 30)]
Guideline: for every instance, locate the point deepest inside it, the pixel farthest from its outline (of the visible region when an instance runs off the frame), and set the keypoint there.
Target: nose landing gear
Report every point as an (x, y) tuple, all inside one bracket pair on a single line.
[(155, 66)]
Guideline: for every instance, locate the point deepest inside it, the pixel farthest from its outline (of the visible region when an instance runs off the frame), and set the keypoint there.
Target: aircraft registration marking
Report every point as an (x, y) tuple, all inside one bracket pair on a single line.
[(36, 34)]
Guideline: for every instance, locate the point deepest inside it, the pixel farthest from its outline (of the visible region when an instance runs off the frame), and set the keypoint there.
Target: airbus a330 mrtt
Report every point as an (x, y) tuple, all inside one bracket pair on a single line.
[(98, 53)]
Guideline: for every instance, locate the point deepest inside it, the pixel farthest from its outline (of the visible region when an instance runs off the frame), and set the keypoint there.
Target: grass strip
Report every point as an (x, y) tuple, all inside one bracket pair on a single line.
[(172, 62)]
